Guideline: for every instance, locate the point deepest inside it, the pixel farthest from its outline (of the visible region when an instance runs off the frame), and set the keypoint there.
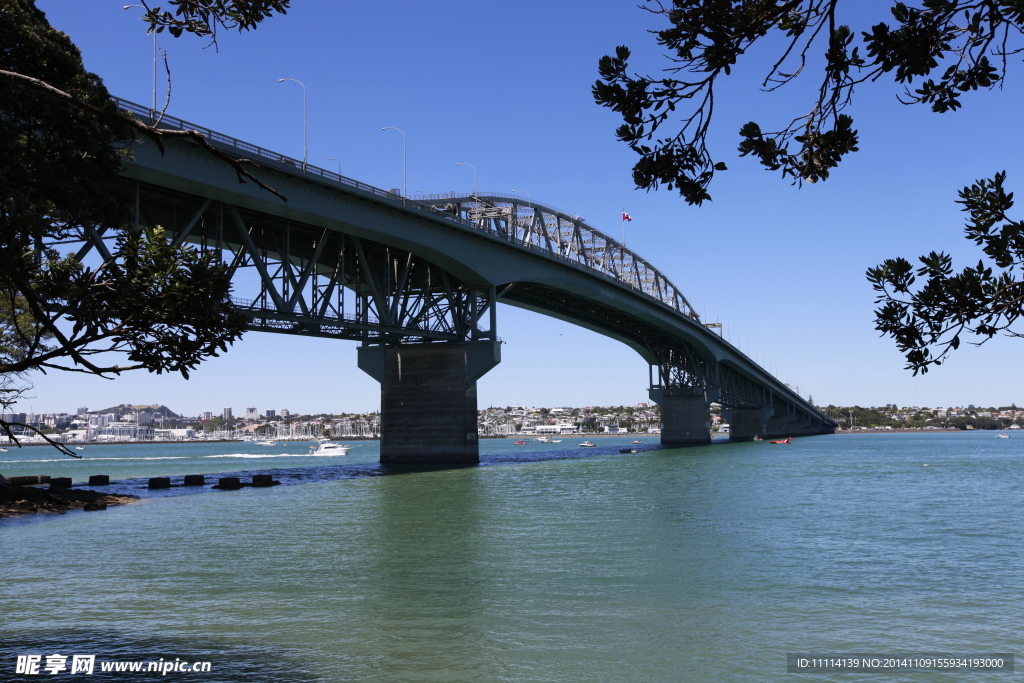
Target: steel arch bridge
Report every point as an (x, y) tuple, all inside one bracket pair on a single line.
[(347, 260)]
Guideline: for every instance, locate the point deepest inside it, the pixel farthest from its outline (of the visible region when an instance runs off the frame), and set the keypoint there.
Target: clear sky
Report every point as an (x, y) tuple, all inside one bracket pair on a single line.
[(506, 87)]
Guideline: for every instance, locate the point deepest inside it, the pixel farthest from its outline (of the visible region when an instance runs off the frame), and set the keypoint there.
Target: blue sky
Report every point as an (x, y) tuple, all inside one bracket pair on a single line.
[(506, 87)]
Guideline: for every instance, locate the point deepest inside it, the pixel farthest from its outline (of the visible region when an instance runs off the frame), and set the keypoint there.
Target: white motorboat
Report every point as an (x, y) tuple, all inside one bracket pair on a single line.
[(543, 439), (1002, 436), (266, 442), (79, 448), (556, 441), (587, 444), (329, 448)]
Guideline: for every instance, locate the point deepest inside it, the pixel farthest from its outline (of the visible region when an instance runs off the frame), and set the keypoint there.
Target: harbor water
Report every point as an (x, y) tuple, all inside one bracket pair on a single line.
[(549, 562)]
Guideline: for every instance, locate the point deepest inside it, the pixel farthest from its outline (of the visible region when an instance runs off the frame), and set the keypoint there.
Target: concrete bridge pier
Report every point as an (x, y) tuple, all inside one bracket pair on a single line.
[(685, 418), (746, 423), (780, 426), (428, 400)]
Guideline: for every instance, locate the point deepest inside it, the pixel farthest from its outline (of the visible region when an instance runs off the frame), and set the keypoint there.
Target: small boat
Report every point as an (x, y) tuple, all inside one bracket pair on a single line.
[(587, 444), (628, 450), (556, 441), (543, 439), (79, 448), (329, 448), (788, 439), (1002, 436), (757, 437), (519, 443), (3, 450), (266, 442), (638, 442)]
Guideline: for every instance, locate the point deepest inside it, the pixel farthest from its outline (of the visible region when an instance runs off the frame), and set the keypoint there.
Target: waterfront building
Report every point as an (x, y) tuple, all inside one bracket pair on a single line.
[(557, 428), (174, 434)]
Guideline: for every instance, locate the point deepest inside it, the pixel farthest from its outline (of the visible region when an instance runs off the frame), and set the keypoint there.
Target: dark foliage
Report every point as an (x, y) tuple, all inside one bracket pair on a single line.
[(977, 301), (945, 47), (62, 138), (206, 17)]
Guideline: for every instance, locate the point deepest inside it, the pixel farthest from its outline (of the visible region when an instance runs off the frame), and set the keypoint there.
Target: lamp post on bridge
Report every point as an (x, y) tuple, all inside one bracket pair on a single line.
[(337, 161), (152, 111), (526, 193), (476, 191), (530, 201), (282, 80), (405, 161)]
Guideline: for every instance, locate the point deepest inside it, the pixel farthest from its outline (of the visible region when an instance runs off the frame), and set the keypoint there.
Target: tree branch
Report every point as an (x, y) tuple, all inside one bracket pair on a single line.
[(151, 131)]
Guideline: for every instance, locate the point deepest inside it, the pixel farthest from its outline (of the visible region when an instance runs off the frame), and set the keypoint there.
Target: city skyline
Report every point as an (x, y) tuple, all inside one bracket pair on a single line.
[(782, 268)]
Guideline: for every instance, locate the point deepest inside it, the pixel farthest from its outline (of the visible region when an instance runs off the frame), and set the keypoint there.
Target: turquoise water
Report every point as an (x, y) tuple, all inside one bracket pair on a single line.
[(549, 563)]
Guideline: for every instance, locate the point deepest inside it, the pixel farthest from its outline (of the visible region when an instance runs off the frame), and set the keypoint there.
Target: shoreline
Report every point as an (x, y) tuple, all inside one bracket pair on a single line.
[(912, 431), (16, 501), (72, 444)]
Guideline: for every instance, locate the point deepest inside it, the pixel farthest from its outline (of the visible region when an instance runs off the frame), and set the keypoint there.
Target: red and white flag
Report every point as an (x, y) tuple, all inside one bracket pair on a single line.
[(625, 216)]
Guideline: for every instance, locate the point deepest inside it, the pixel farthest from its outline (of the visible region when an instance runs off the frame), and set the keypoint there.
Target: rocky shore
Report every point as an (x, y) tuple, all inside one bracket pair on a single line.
[(23, 500)]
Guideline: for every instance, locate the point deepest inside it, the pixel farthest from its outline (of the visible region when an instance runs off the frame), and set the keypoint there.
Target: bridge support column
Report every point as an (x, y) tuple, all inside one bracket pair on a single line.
[(685, 418), (428, 400), (779, 425), (746, 423)]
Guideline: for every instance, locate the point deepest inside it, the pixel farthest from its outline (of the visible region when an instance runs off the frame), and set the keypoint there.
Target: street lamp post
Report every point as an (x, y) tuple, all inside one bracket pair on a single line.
[(338, 162), (405, 161), (476, 191), (155, 50), (282, 80), (527, 195), (529, 201)]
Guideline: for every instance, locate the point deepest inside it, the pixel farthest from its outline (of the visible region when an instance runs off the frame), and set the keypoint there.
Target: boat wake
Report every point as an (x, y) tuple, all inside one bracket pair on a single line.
[(262, 456), (242, 456)]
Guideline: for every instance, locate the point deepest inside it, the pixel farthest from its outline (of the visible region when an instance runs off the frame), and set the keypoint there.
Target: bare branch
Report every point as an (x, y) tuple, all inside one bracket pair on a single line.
[(6, 427)]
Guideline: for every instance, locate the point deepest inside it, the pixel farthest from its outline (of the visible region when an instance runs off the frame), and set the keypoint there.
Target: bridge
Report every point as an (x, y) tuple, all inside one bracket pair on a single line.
[(417, 282)]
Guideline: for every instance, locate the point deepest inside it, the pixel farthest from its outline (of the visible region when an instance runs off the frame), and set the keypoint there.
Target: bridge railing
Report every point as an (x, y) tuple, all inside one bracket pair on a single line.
[(663, 291)]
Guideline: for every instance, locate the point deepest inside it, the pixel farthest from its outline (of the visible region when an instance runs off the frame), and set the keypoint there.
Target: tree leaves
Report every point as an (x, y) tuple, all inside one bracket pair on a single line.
[(705, 39), (62, 138), (927, 322), (206, 17)]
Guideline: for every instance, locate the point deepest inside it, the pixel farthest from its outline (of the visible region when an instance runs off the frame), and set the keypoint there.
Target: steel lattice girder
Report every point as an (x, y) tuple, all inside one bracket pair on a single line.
[(569, 237), (315, 281)]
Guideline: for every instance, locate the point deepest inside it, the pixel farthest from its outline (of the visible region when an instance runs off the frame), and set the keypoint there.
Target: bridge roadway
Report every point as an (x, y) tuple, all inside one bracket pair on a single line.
[(417, 282)]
